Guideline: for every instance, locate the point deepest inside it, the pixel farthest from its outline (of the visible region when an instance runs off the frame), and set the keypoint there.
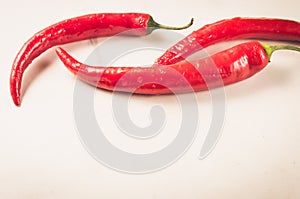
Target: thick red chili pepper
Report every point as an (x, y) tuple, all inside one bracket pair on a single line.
[(228, 29), (76, 29), (223, 68)]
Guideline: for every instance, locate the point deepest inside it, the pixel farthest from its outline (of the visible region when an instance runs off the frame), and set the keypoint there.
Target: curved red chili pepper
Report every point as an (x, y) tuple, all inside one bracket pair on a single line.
[(229, 66), (76, 29), (228, 29)]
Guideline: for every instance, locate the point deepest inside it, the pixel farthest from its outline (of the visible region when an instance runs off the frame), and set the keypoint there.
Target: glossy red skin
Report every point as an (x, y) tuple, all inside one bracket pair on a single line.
[(229, 66), (71, 30), (228, 29)]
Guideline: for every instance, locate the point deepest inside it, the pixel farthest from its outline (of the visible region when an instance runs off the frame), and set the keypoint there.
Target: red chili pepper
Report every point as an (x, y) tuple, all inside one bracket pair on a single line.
[(76, 29), (228, 29), (229, 66)]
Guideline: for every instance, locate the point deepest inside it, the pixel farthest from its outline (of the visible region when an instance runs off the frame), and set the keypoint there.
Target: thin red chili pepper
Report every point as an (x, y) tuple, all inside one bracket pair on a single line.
[(228, 29), (76, 29), (226, 67)]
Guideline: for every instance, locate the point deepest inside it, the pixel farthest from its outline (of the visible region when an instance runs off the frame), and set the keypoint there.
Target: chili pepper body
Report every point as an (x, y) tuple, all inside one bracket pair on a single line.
[(76, 29), (228, 29), (226, 67)]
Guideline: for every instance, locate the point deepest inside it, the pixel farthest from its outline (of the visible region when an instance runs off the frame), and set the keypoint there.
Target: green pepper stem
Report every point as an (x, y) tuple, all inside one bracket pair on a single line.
[(270, 49), (153, 25)]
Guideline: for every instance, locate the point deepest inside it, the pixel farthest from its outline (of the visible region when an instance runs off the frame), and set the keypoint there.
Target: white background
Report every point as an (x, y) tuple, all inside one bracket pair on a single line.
[(41, 155)]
